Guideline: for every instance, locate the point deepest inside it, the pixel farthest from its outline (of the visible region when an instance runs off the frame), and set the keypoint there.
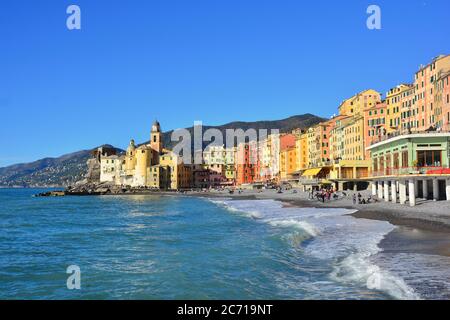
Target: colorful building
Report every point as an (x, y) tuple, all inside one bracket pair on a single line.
[(442, 100), (246, 165), (269, 152), (394, 100), (288, 162), (375, 125), (318, 145), (424, 86), (301, 144), (356, 105), (411, 166), (148, 165)]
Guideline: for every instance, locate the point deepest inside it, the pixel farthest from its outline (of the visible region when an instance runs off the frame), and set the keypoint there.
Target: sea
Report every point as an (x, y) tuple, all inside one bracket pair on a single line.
[(184, 247)]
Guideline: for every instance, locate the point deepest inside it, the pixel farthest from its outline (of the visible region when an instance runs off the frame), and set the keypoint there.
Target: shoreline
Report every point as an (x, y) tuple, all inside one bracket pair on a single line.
[(423, 235), (427, 214), (430, 219), (431, 216)]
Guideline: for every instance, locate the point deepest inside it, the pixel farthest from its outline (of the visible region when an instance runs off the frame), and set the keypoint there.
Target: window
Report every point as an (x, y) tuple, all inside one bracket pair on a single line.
[(396, 160), (405, 159), (428, 158)]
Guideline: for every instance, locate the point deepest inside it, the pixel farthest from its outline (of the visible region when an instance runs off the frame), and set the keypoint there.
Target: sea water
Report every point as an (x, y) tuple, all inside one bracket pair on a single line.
[(176, 247)]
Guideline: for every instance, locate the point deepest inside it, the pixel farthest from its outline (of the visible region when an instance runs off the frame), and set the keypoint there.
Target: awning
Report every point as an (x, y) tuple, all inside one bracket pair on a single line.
[(311, 172)]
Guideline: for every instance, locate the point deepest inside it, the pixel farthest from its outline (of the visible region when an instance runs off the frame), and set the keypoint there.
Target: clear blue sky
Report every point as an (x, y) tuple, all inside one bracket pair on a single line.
[(185, 60)]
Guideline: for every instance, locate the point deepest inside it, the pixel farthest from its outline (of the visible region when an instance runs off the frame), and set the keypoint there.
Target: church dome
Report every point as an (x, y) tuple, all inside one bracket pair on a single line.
[(132, 146)]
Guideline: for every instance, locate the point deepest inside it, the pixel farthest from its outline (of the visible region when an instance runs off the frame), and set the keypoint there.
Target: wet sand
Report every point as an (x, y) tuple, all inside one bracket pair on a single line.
[(412, 240)]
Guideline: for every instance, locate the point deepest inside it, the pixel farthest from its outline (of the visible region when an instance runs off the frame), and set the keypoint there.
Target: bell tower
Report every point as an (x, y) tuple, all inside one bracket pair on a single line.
[(156, 138)]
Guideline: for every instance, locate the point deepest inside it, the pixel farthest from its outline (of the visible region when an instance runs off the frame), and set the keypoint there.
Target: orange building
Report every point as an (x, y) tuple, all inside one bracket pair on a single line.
[(288, 162), (287, 141), (442, 99), (424, 91), (247, 163), (375, 125)]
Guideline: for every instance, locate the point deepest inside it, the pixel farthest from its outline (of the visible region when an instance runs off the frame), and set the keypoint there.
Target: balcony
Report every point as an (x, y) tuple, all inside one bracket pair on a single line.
[(406, 132), (430, 170)]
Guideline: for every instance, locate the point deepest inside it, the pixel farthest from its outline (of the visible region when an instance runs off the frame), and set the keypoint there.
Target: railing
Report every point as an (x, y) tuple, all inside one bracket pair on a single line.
[(409, 170), (351, 176), (406, 132)]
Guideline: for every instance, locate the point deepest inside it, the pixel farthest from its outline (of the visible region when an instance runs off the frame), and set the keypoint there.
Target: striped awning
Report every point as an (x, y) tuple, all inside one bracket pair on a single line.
[(311, 172)]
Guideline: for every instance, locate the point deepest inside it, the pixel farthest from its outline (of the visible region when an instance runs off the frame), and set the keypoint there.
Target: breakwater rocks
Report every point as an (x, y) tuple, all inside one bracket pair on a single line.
[(97, 190), (51, 194)]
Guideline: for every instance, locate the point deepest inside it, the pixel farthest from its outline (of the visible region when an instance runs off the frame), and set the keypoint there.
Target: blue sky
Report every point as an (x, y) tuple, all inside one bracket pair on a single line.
[(185, 60)]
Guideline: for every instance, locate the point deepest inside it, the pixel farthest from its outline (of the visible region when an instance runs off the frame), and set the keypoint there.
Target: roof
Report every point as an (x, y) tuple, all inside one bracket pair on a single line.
[(409, 136), (435, 59)]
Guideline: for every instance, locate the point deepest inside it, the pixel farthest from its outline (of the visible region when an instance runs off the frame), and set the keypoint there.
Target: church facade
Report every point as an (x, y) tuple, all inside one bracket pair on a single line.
[(148, 165)]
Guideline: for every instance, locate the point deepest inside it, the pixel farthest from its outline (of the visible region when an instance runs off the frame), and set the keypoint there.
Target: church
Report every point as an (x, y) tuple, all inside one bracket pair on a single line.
[(148, 165)]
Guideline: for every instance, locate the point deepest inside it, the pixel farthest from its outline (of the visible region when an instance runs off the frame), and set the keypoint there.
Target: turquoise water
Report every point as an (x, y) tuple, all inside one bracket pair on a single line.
[(172, 247)]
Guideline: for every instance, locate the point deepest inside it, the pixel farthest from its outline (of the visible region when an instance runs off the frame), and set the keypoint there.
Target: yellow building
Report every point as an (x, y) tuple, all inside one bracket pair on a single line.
[(349, 165), (353, 148), (358, 103), (337, 138), (143, 156), (157, 177), (151, 166), (288, 163), (177, 175), (318, 145), (348, 150), (221, 162), (230, 161), (301, 144), (130, 159), (394, 99)]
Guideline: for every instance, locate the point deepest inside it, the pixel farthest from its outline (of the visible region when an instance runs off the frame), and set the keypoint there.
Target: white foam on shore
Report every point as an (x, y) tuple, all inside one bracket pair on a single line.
[(334, 235)]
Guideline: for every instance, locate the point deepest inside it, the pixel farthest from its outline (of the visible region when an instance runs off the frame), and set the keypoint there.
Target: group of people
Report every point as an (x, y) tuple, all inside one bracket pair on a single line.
[(323, 194), (331, 194), (358, 199)]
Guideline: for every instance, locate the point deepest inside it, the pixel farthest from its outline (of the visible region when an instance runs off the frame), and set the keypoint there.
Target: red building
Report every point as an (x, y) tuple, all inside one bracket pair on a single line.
[(247, 163)]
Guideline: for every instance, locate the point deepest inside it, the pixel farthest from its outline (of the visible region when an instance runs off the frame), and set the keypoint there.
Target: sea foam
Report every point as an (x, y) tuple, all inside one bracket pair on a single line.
[(335, 236)]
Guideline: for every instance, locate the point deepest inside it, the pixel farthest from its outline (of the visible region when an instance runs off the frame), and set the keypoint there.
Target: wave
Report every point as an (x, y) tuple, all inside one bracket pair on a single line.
[(335, 236), (302, 225), (357, 268)]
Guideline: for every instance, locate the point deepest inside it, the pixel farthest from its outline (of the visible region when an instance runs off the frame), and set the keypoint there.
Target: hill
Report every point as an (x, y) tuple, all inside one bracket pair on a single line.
[(70, 168)]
